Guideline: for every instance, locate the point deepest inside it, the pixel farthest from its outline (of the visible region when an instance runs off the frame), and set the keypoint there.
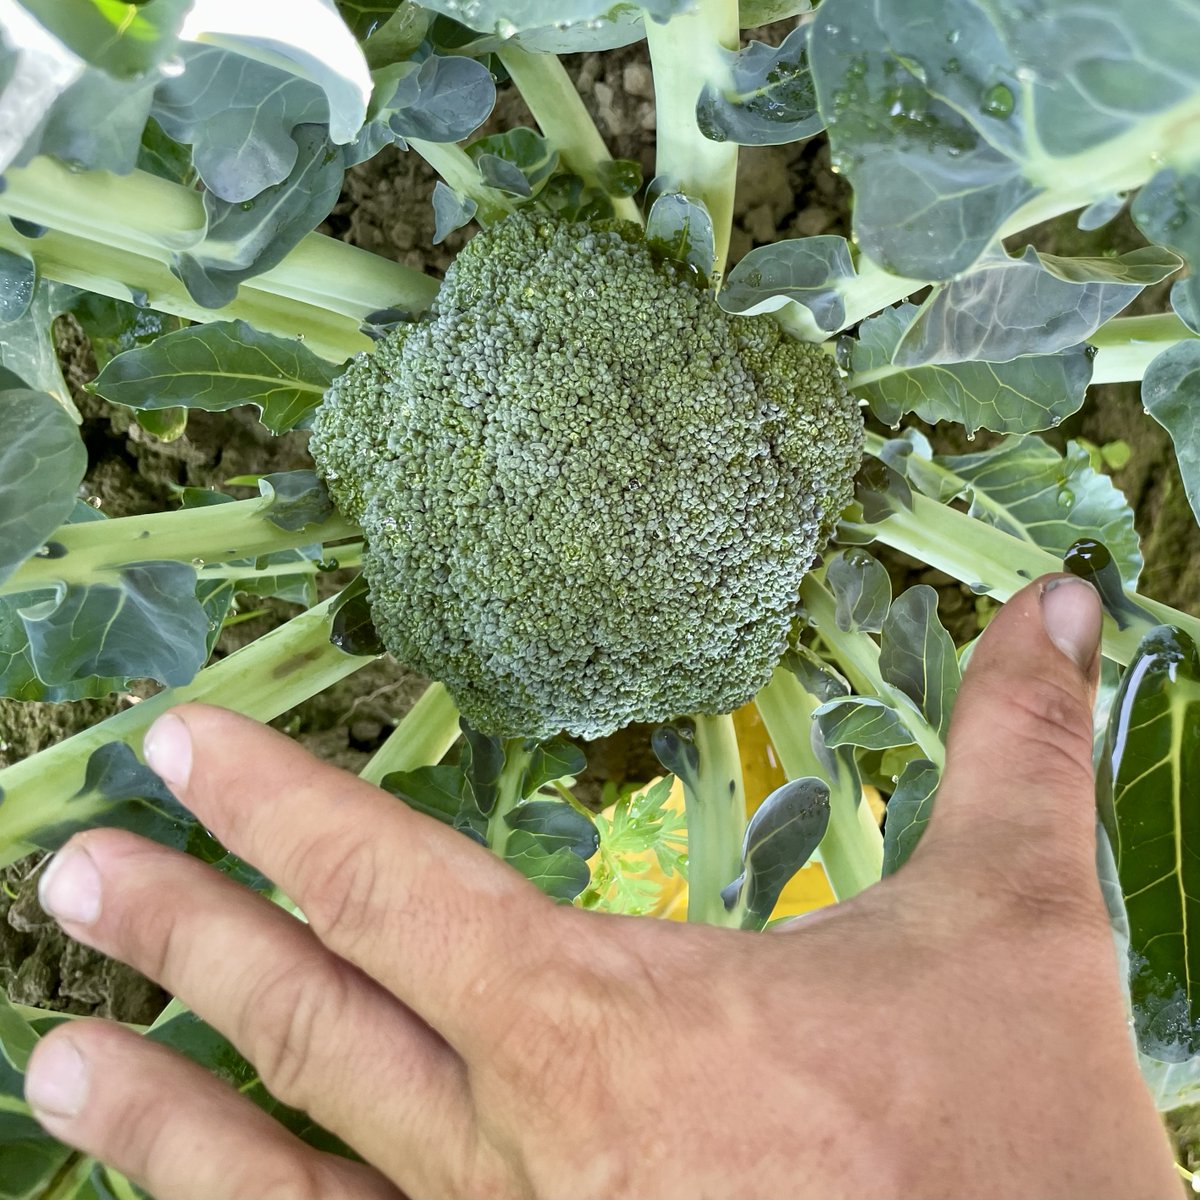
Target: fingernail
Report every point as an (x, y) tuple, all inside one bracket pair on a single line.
[(1072, 616), (168, 750), (69, 888), (56, 1083)]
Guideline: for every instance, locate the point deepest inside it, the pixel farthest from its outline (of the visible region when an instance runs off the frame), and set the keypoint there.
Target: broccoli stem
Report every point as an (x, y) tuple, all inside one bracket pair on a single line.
[(858, 655), (715, 806), (560, 112), (984, 557), (454, 165), (347, 556), (851, 851), (122, 228), (517, 754), (263, 679), (422, 738), (1071, 182), (221, 533), (686, 53), (1126, 346)]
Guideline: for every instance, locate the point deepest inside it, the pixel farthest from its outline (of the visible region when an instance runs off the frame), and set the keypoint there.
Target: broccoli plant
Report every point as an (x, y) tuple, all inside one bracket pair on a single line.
[(600, 473)]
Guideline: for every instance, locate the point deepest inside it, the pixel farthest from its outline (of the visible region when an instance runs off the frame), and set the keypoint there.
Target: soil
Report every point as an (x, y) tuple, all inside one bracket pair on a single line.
[(385, 207)]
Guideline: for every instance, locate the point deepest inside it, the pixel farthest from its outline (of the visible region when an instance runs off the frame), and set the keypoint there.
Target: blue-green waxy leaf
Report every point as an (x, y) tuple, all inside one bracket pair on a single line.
[(120, 792), (518, 161), (508, 17), (450, 211), (42, 461), (122, 39), (1186, 308), (1101, 212), (27, 344), (1025, 395), (1167, 211), (143, 621), (1028, 489), (482, 763), (436, 791), (298, 499), (1148, 781), (917, 655), (555, 759), (862, 588), (561, 874), (238, 116), (682, 229), (769, 98), (908, 812), (18, 278), (445, 99), (556, 826), (809, 271), (780, 838), (675, 747), (244, 240), (219, 366), (1008, 307), (1171, 395), (861, 721), (312, 43), (947, 115)]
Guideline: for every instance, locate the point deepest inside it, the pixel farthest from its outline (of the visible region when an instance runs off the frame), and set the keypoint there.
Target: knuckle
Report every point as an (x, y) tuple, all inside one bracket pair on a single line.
[(1054, 724), (340, 890), (283, 1031)]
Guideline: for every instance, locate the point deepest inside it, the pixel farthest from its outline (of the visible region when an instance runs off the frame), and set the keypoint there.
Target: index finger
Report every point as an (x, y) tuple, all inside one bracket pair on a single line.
[(432, 916)]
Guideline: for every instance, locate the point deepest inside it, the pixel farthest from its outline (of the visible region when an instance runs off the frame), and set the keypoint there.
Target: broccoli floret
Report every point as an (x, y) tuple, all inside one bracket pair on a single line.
[(589, 495)]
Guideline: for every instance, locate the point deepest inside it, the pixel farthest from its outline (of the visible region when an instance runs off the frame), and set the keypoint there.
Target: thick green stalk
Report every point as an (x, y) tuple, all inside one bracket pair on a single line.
[(346, 556), (262, 679), (454, 165), (851, 851), (715, 806), (556, 106), (858, 655), (987, 558), (686, 55), (1126, 346), (511, 793), (151, 218), (220, 533), (1071, 182), (422, 737)]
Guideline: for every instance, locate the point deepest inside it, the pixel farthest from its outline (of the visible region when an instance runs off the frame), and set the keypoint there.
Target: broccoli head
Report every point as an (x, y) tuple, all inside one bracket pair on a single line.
[(589, 495)]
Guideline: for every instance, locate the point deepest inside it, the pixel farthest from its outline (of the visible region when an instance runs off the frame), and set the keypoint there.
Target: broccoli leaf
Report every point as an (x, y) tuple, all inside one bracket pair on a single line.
[(769, 99), (445, 99), (1171, 394), (1021, 396), (780, 838), (863, 590), (18, 279), (42, 461), (561, 874), (908, 812), (121, 39), (810, 271), (450, 211), (916, 655), (556, 826), (682, 229), (219, 366), (861, 721), (508, 17), (436, 791), (1167, 210)]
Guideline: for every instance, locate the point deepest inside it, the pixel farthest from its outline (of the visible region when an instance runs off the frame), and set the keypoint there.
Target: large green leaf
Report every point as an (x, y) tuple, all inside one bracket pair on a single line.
[(1167, 210), (1147, 791), (42, 461), (861, 721), (559, 873), (220, 366), (948, 115), (1171, 395), (445, 99), (122, 39), (780, 838), (1021, 396)]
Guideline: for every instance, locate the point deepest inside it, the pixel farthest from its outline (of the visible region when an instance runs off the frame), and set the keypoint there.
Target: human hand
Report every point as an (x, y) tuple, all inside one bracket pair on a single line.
[(956, 1031)]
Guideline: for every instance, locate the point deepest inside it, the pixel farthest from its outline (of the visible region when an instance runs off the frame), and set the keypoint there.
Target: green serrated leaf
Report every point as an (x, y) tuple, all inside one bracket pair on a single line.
[(220, 366), (1148, 778), (42, 461), (908, 812)]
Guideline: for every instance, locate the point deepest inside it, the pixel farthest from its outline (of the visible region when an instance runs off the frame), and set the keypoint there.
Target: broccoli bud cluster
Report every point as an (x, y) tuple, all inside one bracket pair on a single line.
[(589, 495)]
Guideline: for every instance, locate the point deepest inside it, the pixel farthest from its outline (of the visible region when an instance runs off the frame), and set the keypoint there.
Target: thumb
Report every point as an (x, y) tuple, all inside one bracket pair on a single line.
[(1017, 797)]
